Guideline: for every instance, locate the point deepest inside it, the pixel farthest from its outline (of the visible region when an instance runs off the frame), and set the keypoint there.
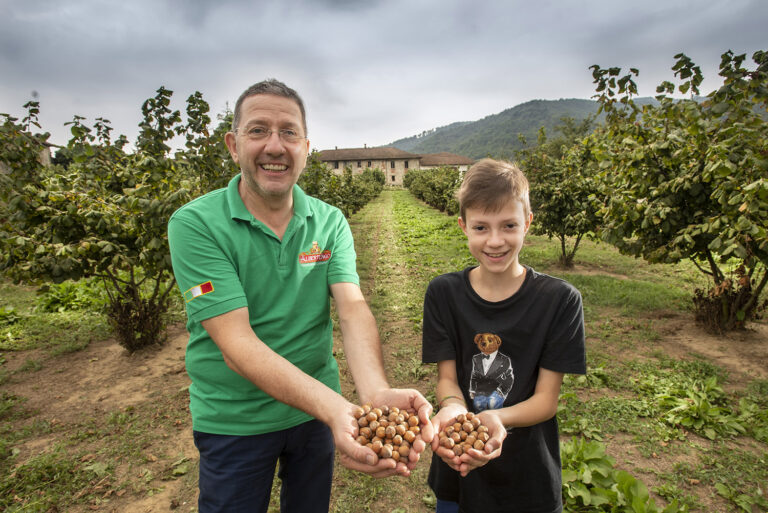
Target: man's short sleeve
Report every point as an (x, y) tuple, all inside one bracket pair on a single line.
[(343, 265), (204, 272)]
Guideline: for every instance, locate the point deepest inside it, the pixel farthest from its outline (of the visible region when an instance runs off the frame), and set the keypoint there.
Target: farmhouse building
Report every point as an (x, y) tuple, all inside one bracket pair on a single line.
[(433, 160), (394, 162)]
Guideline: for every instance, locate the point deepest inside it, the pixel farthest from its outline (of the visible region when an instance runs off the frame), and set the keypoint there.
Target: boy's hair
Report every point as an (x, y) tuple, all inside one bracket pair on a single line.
[(275, 88), (490, 184)]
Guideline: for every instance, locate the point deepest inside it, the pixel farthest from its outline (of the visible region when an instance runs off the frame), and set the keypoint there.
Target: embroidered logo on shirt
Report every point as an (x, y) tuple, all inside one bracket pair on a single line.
[(314, 255), (197, 291)]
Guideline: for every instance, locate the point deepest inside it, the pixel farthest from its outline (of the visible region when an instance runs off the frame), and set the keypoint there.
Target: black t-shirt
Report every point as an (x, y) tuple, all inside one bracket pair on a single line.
[(541, 325)]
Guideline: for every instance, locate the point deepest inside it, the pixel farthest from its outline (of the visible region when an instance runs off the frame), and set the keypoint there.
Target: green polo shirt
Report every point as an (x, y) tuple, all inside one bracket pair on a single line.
[(224, 259)]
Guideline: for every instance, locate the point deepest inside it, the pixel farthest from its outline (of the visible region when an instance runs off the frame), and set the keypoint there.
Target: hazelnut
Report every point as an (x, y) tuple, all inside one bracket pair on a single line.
[(395, 455), (455, 437), (390, 431), (470, 415), (463, 435), (376, 446), (362, 422), (397, 440), (413, 420), (362, 440), (483, 437), (470, 440), (374, 425), (475, 422), (404, 451), (378, 412), (386, 451), (400, 428), (371, 416), (458, 450), (358, 412), (447, 442), (479, 445), (409, 436), (366, 432), (467, 426), (381, 432), (460, 418), (366, 408)]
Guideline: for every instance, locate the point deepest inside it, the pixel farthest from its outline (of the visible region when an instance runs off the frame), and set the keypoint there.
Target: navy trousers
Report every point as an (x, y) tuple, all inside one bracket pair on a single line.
[(236, 472)]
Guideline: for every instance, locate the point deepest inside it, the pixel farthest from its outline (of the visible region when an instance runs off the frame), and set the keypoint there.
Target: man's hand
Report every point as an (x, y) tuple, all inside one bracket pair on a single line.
[(357, 457)]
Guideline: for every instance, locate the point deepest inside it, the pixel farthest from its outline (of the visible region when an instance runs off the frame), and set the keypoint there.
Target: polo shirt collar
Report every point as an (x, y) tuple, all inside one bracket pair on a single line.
[(238, 209)]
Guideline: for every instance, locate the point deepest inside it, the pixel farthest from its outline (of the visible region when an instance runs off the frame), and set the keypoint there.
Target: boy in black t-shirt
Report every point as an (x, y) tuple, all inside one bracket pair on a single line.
[(503, 336)]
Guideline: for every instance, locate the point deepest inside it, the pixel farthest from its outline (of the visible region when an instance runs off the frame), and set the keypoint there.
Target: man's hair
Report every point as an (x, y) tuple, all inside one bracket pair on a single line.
[(490, 184), (273, 87)]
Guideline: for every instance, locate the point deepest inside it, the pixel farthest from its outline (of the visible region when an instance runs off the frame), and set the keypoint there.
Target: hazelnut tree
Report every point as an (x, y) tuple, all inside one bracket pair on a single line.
[(686, 179), (104, 215), (563, 174)]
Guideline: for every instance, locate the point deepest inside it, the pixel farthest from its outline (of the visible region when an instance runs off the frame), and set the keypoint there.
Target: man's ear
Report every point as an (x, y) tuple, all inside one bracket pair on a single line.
[(231, 142)]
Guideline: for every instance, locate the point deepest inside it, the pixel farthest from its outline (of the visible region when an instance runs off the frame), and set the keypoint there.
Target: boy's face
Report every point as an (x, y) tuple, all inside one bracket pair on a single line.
[(496, 238)]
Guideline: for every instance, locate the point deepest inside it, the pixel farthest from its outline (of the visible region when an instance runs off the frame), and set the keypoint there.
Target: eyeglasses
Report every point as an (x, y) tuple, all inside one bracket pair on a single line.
[(259, 133)]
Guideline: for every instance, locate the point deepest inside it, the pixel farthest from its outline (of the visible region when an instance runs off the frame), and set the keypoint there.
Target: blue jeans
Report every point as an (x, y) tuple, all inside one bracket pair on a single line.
[(447, 507), (236, 472), (488, 402)]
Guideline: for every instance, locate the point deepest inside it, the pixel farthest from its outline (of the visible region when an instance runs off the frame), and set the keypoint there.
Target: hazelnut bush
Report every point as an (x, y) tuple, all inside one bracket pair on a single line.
[(467, 432), (388, 431)]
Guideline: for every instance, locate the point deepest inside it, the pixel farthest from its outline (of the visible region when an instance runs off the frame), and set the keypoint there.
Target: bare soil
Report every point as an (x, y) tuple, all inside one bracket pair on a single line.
[(103, 379)]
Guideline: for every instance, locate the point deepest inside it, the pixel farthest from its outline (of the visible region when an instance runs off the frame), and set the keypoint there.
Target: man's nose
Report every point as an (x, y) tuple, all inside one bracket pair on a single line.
[(274, 144)]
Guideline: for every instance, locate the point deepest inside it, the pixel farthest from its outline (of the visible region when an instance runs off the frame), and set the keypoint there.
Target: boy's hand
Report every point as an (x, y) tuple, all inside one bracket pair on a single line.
[(473, 458), (446, 417)]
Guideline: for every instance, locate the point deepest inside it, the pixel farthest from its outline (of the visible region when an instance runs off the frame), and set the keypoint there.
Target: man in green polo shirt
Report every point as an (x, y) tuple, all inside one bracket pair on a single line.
[(258, 263)]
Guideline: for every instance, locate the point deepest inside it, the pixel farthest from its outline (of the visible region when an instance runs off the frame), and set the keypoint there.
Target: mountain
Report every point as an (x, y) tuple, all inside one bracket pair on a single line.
[(497, 135)]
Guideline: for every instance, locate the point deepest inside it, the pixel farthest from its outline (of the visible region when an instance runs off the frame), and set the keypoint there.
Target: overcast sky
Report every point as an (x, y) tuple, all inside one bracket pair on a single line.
[(369, 71)]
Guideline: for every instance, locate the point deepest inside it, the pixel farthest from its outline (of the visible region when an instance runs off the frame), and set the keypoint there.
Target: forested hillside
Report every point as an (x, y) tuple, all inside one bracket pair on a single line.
[(497, 135)]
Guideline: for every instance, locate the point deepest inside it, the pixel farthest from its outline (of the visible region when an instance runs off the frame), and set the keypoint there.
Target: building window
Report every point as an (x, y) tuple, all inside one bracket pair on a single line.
[(369, 163), (336, 164), (406, 164), (359, 164), (393, 178), (392, 164)]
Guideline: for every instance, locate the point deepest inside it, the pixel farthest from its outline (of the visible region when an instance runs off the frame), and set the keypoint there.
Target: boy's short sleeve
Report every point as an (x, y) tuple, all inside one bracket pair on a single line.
[(206, 276), (436, 343), (565, 347)]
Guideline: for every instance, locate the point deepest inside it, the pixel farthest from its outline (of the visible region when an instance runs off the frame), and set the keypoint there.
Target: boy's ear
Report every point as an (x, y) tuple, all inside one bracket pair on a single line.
[(462, 225), (528, 222)]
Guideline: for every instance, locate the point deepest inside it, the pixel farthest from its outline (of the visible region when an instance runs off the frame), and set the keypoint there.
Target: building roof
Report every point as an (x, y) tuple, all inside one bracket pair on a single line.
[(445, 159), (380, 153)]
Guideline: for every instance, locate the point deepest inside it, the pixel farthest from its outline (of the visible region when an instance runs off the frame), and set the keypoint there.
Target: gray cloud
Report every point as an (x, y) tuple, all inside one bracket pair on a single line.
[(370, 72)]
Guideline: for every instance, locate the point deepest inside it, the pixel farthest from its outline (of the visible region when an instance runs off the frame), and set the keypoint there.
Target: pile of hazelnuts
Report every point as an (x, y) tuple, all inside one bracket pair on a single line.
[(467, 432), (388, 431)]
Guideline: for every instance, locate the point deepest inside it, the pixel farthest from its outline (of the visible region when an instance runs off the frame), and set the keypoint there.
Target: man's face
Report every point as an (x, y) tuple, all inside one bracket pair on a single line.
[(270, 167)]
